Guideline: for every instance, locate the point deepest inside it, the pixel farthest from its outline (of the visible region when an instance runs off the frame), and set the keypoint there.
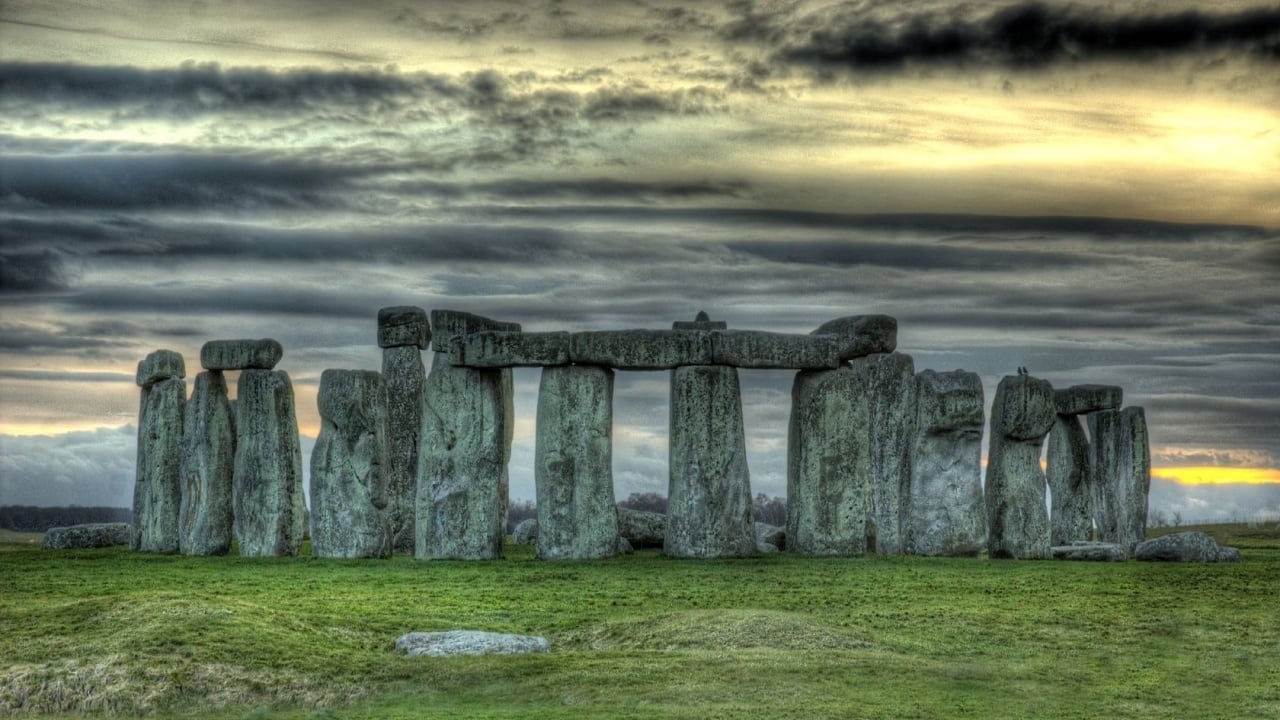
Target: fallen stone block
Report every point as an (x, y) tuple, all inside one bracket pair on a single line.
[(1185, 547), (641, 349), (240, 354), (403, 325), (1089, 552), (89, 535), (1081, 399), (499, 349), (469, 642)]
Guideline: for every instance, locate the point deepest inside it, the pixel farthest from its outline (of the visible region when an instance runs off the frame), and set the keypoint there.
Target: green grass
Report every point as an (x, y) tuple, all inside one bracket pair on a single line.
[(108, 631)]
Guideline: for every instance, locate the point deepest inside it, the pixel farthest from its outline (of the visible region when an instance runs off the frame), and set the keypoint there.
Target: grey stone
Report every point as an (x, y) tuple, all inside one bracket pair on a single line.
[(349, 467), (709, 495), (701, 322), (448, 324), (862, 334), (944, 512), (89, 535), (240, 354), (1081, 399), (526, 532), (1185, 547), (756, 349), (405, 379), (767, 534), (642, 529), (624, 546), (766, 548), (1071, 515), (207, 515), (891, 392), (267, 488), (640, 349), (1089, 551), (157, 491), (1120, 471), (462, 463), (491, 349), (403, 326), (468, 642), (573, 464), (829, 462), (160, 365), (1017, 521)]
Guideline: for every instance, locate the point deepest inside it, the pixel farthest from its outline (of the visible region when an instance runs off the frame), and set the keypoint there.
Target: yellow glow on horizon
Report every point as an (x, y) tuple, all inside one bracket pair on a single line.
[(1211, 475)]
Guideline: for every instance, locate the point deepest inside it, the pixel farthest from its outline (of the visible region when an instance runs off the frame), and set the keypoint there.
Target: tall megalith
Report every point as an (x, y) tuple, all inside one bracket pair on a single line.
[(1067, 473), (157, 490), (403, 333), (573, 464), (349, 467), (208, 468), (267, 488), (891, 398), (1017, 520), (944, 512), (1121, 466)]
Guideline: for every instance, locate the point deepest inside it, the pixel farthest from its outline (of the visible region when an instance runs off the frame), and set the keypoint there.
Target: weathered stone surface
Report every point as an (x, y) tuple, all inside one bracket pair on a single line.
[(573, 464), (1089, 551), (1185, 547), (891, 394), (624, 546), (492, 349), (240, 354), (709, 495), (448, 324), (642, 529), (756, 349), (160, 365), (462, 463), (701, 322), (526, 532), (944, 512), (1081, 399), (403, 326), (89, 535), (862, 334), (1120, 471), (405, 379), (207, 517), (1071, 515), (829, 462), (1017, 521), (468, 642), (640, 349), (267, 488), (772, 535), (157, 491), (349, 467)]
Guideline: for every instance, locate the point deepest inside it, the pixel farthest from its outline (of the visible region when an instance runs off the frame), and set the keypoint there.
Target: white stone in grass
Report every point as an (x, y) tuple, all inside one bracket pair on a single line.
[(469, 642)]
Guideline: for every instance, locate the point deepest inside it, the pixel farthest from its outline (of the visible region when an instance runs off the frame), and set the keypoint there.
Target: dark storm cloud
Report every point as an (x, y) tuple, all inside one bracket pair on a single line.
[(53, 376), (878, 36), (920, 257), (33, 271)]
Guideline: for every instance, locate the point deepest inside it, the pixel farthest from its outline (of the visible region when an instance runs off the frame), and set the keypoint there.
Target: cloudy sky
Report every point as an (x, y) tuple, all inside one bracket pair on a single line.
[(1091, 190)]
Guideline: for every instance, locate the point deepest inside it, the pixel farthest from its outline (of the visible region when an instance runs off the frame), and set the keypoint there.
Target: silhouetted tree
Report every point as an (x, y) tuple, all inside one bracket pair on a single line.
[(771, 510), (30, 518)]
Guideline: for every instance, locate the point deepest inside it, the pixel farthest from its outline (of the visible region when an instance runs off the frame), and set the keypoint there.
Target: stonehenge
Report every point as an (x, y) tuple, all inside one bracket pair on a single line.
[(880, 458)]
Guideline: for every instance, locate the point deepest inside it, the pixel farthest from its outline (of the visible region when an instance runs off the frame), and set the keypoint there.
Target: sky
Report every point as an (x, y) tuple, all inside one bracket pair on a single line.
[(1090, 190)]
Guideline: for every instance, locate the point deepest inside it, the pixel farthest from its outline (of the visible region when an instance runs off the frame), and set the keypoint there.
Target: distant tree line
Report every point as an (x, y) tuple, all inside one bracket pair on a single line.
[(765, 509), (30, 518)]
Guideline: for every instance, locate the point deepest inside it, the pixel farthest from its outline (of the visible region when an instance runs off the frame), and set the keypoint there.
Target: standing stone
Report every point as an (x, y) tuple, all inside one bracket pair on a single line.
[(267, 489), (405, 379), (1017, 521), (944, 513), (402, 326), (208, 468), (462, 464), (157, 490), (349, 467), (891, 393), (1071, 516), (709, 496), (573, 464), (829, 463), (1120, 464)]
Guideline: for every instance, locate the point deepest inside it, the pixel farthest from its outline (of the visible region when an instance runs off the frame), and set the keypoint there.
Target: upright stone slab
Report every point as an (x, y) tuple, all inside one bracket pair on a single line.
[(349, 467), (944, 514), (573, 464), (1120, 464), (709, 496), (462, 464), (207, 516), (267, 488), (403, 333), (1017, 521), (829, 462), (891, 394), (157, 493), (1071, 513)]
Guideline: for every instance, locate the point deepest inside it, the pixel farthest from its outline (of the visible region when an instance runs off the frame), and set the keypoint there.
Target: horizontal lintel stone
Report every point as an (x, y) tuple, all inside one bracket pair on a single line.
[(862, 334), (641, 349), (1082, 399), (240, 354), (402, 325), (758, 349), (448, 324), (497, 348)]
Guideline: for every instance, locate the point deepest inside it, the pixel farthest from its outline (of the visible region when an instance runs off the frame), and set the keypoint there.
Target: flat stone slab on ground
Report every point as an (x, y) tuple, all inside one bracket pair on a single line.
[(1081, 399), (261, 354), (160, 365), (1185, 547), (89, 535), (469, 642), (495, 348), (1089, 551), (403, 325), (448, 324)]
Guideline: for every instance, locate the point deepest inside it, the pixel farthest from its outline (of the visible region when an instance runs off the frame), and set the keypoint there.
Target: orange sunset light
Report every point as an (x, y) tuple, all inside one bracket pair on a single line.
[(1210, 475)]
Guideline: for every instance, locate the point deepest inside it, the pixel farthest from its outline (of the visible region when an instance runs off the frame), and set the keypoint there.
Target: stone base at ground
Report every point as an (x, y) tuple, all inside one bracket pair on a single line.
[(1089, 551), (469, 642), (90, 535)]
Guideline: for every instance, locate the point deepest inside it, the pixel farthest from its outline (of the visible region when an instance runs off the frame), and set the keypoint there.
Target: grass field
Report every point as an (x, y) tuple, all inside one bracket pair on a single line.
[(107, 631)]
